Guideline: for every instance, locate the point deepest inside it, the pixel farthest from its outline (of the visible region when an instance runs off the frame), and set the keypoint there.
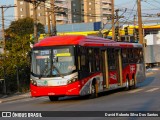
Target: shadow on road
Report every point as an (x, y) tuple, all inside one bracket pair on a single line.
[(146, 82), (75, 99)]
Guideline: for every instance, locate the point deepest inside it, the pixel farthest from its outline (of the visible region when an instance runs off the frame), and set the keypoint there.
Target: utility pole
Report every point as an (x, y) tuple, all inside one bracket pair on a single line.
[(113, 26), (134, 20), (35, 20), (54, 31), (140, 22), (3, 32), (49, 25), (35, 5), (117, 17)]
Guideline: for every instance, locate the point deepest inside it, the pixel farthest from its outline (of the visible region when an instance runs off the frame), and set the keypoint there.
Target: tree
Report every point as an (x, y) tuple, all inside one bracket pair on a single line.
[(16, 59), (23, 27)]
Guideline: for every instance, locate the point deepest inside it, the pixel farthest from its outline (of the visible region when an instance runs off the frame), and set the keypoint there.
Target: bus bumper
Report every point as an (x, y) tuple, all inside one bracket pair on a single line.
[(69, 90)]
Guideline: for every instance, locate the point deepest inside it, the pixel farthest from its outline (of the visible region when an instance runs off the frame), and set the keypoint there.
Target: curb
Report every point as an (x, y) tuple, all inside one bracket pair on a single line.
[(19, 97)]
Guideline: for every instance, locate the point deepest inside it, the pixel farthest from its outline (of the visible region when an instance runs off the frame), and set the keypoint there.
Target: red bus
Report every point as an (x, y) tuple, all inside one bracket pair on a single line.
[(76, 65)]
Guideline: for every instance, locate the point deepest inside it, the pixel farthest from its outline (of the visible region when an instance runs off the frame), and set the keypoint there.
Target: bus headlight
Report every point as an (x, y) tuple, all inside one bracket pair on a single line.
[(33, 82), (72, 80)]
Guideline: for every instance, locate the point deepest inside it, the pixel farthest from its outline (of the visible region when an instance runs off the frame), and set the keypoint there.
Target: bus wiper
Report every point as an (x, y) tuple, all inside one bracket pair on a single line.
[(52, 68)]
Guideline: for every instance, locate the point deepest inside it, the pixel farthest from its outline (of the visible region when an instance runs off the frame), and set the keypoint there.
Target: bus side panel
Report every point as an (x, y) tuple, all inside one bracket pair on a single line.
[(113, 77), (140, 74), (129, 71), (87, 82)]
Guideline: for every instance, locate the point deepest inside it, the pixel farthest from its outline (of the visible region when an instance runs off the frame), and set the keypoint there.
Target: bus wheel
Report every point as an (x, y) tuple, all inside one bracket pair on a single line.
[(127, 84), (53, 98), (133, 83), (94, 93)]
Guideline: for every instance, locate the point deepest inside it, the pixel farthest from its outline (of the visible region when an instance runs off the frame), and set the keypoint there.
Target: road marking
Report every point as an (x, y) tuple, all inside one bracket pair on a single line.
[(134, 91), (153, 89)]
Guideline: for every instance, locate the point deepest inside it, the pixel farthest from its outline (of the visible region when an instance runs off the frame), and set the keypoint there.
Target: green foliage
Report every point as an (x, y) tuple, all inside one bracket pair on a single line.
[(16, 59), (23, 27)]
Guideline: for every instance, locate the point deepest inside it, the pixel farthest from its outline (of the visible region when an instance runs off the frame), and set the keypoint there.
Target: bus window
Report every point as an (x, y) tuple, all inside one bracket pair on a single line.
[(83, 59), (93, 59), (97, 59), (111, 59), (140, 54), (124, 56)]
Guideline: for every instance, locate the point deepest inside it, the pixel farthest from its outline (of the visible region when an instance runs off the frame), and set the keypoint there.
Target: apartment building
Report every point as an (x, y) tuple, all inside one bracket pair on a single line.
[(77, 11), (91, 10), (25, 9), (97, 10)]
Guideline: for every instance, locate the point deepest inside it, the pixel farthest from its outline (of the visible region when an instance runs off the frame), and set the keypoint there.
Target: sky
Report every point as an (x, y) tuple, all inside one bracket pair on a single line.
[(148, 7)]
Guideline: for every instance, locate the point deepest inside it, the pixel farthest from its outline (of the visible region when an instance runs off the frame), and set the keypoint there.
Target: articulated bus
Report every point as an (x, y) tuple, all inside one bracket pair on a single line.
[(76, 65)]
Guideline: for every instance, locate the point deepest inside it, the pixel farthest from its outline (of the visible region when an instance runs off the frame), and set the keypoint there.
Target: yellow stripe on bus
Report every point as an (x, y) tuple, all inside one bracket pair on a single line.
[(63, 54)]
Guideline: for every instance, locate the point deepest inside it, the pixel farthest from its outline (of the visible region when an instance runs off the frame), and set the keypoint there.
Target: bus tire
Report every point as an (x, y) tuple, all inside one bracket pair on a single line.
[(127, 84), (134, 83), (94, 93), (53, 98)]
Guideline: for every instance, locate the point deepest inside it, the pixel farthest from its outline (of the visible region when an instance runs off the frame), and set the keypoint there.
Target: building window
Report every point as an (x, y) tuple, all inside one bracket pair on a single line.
[(39, 8), (21, 2), (21, 16), (74, 4), (90, 8), (21, 9), (39, 14)]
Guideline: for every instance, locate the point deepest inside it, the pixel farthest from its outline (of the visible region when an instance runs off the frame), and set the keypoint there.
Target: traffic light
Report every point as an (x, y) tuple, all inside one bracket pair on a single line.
[(126, 30), (117, 33), (136, 34)]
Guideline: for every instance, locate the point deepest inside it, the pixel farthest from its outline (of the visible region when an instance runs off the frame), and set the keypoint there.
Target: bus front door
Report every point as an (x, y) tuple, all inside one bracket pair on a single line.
[(105, 69)]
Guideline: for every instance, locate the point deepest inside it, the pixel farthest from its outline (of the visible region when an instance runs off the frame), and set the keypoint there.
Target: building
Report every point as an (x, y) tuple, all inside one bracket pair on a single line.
[(97, 10), (77, 11), (25, 9)]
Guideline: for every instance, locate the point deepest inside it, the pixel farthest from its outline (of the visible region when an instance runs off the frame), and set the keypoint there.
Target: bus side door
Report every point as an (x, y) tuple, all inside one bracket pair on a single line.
[(118, 65), (104, 65)]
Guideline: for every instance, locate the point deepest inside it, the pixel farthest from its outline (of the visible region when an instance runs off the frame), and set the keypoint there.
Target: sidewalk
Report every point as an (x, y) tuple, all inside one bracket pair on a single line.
[(18, 96)]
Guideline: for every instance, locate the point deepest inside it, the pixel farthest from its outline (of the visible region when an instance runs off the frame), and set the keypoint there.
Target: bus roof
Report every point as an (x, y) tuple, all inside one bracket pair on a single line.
[(82, 40)]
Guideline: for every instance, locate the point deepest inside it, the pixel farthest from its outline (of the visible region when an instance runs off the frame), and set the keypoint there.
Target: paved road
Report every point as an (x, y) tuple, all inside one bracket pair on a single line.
[(145, 98)]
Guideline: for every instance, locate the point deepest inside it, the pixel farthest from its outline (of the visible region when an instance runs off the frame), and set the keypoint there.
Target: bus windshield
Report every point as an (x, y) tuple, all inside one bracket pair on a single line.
[(56, 61)]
